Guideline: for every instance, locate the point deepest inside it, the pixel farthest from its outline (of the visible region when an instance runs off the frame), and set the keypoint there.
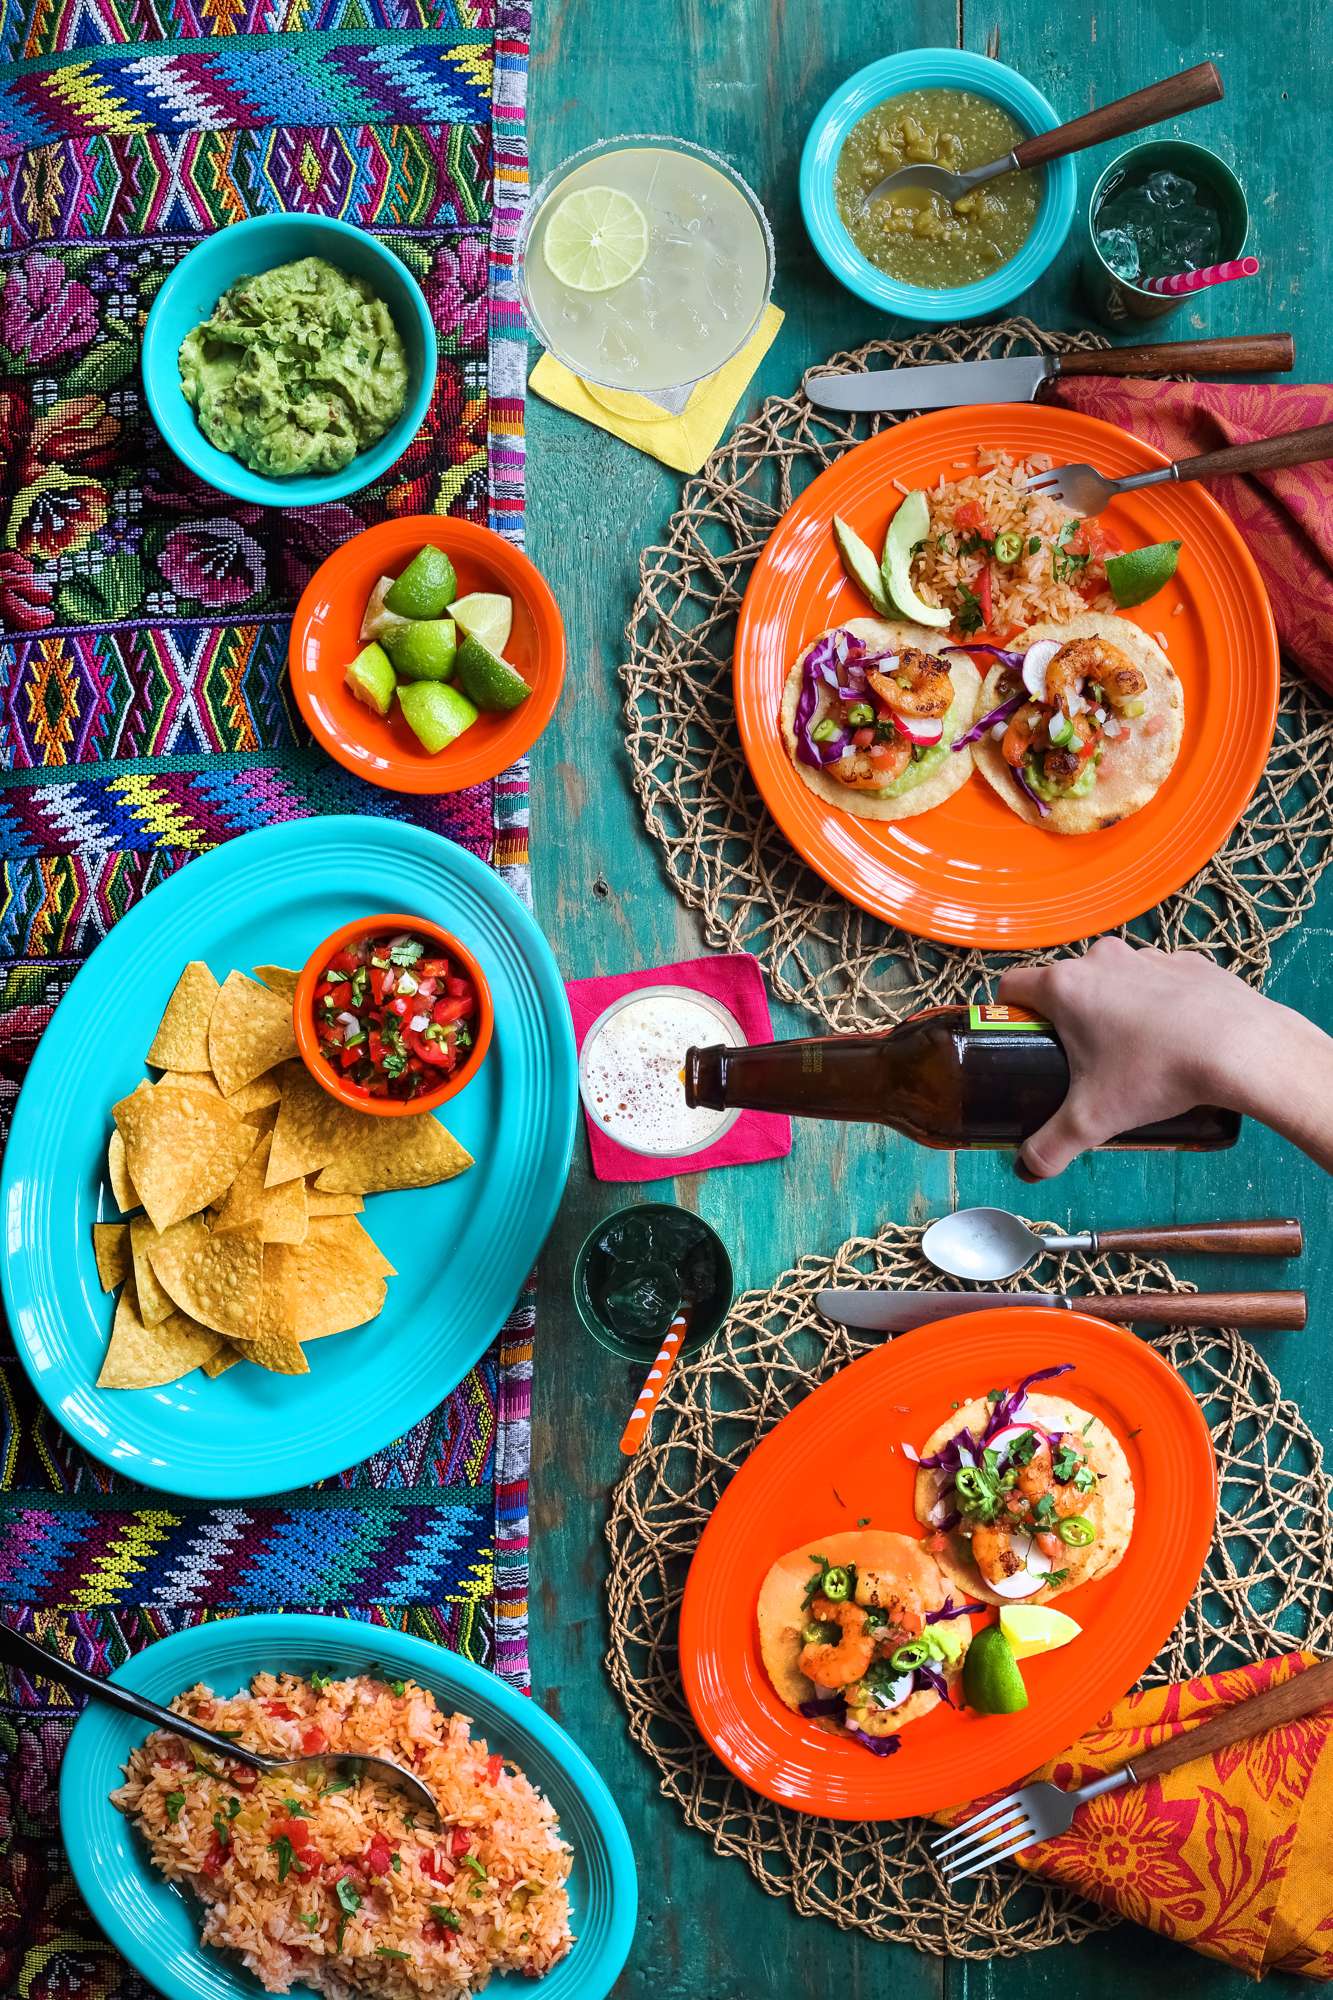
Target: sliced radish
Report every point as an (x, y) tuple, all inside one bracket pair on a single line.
[(1002, 1440), (920, 729), (1028, 1580), (1035, 662)]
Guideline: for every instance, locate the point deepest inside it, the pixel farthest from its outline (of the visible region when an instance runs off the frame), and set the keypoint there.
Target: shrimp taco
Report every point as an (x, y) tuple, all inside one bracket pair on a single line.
[(1092, 717), (1024, 1495), (871, 713), (860, 1637)]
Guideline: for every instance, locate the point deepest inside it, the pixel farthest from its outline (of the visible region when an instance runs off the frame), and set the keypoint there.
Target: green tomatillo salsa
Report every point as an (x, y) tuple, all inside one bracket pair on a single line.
[(297, 370), (393, 1016)]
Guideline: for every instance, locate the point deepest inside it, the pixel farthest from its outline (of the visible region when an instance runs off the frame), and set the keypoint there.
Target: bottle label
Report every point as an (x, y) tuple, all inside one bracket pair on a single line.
[(1014, 1020)]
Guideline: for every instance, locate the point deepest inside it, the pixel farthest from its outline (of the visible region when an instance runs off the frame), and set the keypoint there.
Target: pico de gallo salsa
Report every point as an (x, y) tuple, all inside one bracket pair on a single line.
[(393, 1015)]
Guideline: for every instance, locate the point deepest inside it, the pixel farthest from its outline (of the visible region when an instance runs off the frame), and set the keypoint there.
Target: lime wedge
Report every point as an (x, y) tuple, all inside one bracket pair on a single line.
[(486, 615), (597, 238), (426, 587), (1140, 573), (992, 1683), (1036, 1628), (377, 621), (372, 679), (487, 679), (423, 650), (436, 713)]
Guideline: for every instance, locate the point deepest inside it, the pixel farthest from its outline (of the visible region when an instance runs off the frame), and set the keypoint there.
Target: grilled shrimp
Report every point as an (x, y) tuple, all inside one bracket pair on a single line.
[(1080, 661), (1027, 726), (832, 1664), (870, 769), (918, 685)]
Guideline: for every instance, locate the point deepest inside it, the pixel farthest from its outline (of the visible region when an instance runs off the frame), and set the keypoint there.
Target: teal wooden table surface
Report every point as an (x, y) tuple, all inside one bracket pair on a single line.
[(746, 76)]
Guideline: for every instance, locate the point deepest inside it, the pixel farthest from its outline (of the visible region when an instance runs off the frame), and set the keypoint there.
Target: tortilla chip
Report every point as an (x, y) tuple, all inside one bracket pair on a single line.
[(142, 1357), (111, 1248), (353, 1239), (279, 979), (383, 1154), (277, 1214), (256, 1096), (278, 1355), (217, 1279), (250, 1031), (181, 1041), (312, 1127), (118, 1174), (324, 1285), (190, 1080), (155, 1305), (183, 1149), (226, 1357), (332, 1204)]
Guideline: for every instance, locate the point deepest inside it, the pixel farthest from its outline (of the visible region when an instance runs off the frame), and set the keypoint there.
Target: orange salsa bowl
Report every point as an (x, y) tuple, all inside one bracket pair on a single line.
[(380, 997)]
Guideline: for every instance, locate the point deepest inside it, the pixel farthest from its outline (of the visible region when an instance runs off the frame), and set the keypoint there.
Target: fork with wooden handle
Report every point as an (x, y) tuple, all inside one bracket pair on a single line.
[(1088, 491), (1041, 1811)]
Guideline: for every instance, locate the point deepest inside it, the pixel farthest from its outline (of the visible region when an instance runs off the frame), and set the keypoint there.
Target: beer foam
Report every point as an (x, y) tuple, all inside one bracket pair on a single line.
[(632, 1073)]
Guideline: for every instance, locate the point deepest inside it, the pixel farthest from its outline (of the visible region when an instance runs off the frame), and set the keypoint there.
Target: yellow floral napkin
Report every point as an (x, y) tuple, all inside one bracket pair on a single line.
[(682, 442), (1229, 1854)]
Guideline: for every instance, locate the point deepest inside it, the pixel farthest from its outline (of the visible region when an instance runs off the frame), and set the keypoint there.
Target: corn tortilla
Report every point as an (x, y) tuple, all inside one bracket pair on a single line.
[(945, 779), (1109, 1505), (1134, 765)]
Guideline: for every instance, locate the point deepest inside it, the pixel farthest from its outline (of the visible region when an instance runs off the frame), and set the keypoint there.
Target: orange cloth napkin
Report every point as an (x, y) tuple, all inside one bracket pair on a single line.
[(1286, 517), (1231, 1854)]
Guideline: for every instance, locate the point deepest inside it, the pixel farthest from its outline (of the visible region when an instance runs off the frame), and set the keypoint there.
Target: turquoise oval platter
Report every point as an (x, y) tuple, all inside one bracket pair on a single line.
[(462, 1250), (156, 1926)]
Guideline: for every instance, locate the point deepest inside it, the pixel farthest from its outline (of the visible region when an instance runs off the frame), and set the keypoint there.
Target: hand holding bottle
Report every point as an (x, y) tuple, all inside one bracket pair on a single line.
[(1150, 1033)]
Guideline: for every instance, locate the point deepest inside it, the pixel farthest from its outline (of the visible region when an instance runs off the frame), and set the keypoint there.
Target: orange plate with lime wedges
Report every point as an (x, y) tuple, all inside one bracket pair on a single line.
[(837, 1461), (970, 871), (326, 638)]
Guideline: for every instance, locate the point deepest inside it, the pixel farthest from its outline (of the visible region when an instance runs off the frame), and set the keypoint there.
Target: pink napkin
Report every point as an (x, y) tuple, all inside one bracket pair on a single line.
[(737, 982)]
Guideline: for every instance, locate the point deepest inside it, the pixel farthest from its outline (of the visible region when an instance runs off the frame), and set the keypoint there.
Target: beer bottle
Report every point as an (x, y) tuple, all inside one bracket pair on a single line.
[(951, 1077)]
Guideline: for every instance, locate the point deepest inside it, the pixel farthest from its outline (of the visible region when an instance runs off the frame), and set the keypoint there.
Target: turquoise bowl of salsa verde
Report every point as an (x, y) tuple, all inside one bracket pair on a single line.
[(188, 297), (392, 1015), (932, 69)]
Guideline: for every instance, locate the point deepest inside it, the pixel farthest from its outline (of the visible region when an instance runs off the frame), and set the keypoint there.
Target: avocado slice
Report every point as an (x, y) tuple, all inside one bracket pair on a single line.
[(860, 565), (490, 681), (436, 713), (908, 527), (372, 679)]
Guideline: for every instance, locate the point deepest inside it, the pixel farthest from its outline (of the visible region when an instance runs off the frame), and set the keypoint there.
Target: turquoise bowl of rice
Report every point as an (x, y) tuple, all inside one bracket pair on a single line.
[(217, 1882), (933, 69)]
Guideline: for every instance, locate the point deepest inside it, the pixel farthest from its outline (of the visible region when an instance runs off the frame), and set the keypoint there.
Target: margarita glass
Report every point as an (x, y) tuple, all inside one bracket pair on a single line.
[(645, 264)]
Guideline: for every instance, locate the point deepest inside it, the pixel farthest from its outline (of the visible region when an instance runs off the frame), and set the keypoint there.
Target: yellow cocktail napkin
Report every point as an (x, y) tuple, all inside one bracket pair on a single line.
[(682, 442)]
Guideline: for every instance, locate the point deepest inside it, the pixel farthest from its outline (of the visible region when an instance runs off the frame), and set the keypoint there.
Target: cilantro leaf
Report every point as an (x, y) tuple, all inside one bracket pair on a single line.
[(349, 1896), (1065, 1463), (286, 1854), (309, 1918), (387, 1951), (444, 1915), (970, 618), (175, 1800)]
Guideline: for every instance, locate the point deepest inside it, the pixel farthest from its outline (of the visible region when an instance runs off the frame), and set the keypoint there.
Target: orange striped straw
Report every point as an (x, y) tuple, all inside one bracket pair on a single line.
[(641, 1415)]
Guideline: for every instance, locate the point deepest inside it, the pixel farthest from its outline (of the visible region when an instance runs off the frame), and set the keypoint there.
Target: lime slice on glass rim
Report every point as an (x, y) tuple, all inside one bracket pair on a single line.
[(597, 238)]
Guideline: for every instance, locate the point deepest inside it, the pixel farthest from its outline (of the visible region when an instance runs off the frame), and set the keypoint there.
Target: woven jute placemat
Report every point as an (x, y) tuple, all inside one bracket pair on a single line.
[(1267, 1586), (728, 860)]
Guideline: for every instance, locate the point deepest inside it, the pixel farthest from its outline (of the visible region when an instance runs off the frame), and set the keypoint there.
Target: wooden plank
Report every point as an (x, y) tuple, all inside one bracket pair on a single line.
[(746, 78)]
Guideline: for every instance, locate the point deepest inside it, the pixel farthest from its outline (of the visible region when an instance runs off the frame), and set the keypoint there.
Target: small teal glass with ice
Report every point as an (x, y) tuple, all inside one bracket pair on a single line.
[(1161, 207)]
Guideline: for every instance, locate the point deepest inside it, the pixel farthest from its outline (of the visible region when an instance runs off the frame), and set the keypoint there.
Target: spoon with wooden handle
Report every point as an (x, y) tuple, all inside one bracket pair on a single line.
[(1183, 92), (17, 1650)]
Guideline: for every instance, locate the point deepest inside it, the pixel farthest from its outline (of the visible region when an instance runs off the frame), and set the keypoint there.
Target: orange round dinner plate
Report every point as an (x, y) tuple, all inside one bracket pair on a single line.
[(970, 871), (837, 1461), (326, 638)]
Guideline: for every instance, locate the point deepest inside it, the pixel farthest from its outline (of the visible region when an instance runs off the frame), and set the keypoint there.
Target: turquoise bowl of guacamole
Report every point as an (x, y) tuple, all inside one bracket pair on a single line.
[(289, 360)]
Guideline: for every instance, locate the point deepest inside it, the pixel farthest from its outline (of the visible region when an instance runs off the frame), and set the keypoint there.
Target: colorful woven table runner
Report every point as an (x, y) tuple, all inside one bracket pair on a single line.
[(145, 716)]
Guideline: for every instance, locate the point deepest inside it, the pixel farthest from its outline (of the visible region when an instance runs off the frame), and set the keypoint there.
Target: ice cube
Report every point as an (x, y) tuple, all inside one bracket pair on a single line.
[(1169, 190), (1120, 251), (616, 352), (643, 1300)]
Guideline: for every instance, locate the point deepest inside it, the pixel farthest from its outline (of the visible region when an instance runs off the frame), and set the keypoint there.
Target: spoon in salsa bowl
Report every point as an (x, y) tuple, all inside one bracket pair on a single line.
[(1183, 92), (17, 1650)]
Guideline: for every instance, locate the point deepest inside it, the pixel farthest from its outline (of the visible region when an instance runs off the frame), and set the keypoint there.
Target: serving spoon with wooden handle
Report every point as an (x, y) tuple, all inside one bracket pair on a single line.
[(1184, 92), (17, 1650)]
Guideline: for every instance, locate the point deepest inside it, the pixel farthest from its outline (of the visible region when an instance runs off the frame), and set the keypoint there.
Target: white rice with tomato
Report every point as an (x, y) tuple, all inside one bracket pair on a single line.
[(1058, 573), (342, 1889)]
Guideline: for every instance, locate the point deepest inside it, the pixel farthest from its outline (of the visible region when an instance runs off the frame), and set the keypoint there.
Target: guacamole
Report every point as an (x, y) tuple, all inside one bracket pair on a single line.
[(297, 371)]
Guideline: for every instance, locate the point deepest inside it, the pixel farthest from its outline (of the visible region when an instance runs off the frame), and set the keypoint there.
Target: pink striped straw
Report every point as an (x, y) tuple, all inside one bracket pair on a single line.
[(1181, 282)]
